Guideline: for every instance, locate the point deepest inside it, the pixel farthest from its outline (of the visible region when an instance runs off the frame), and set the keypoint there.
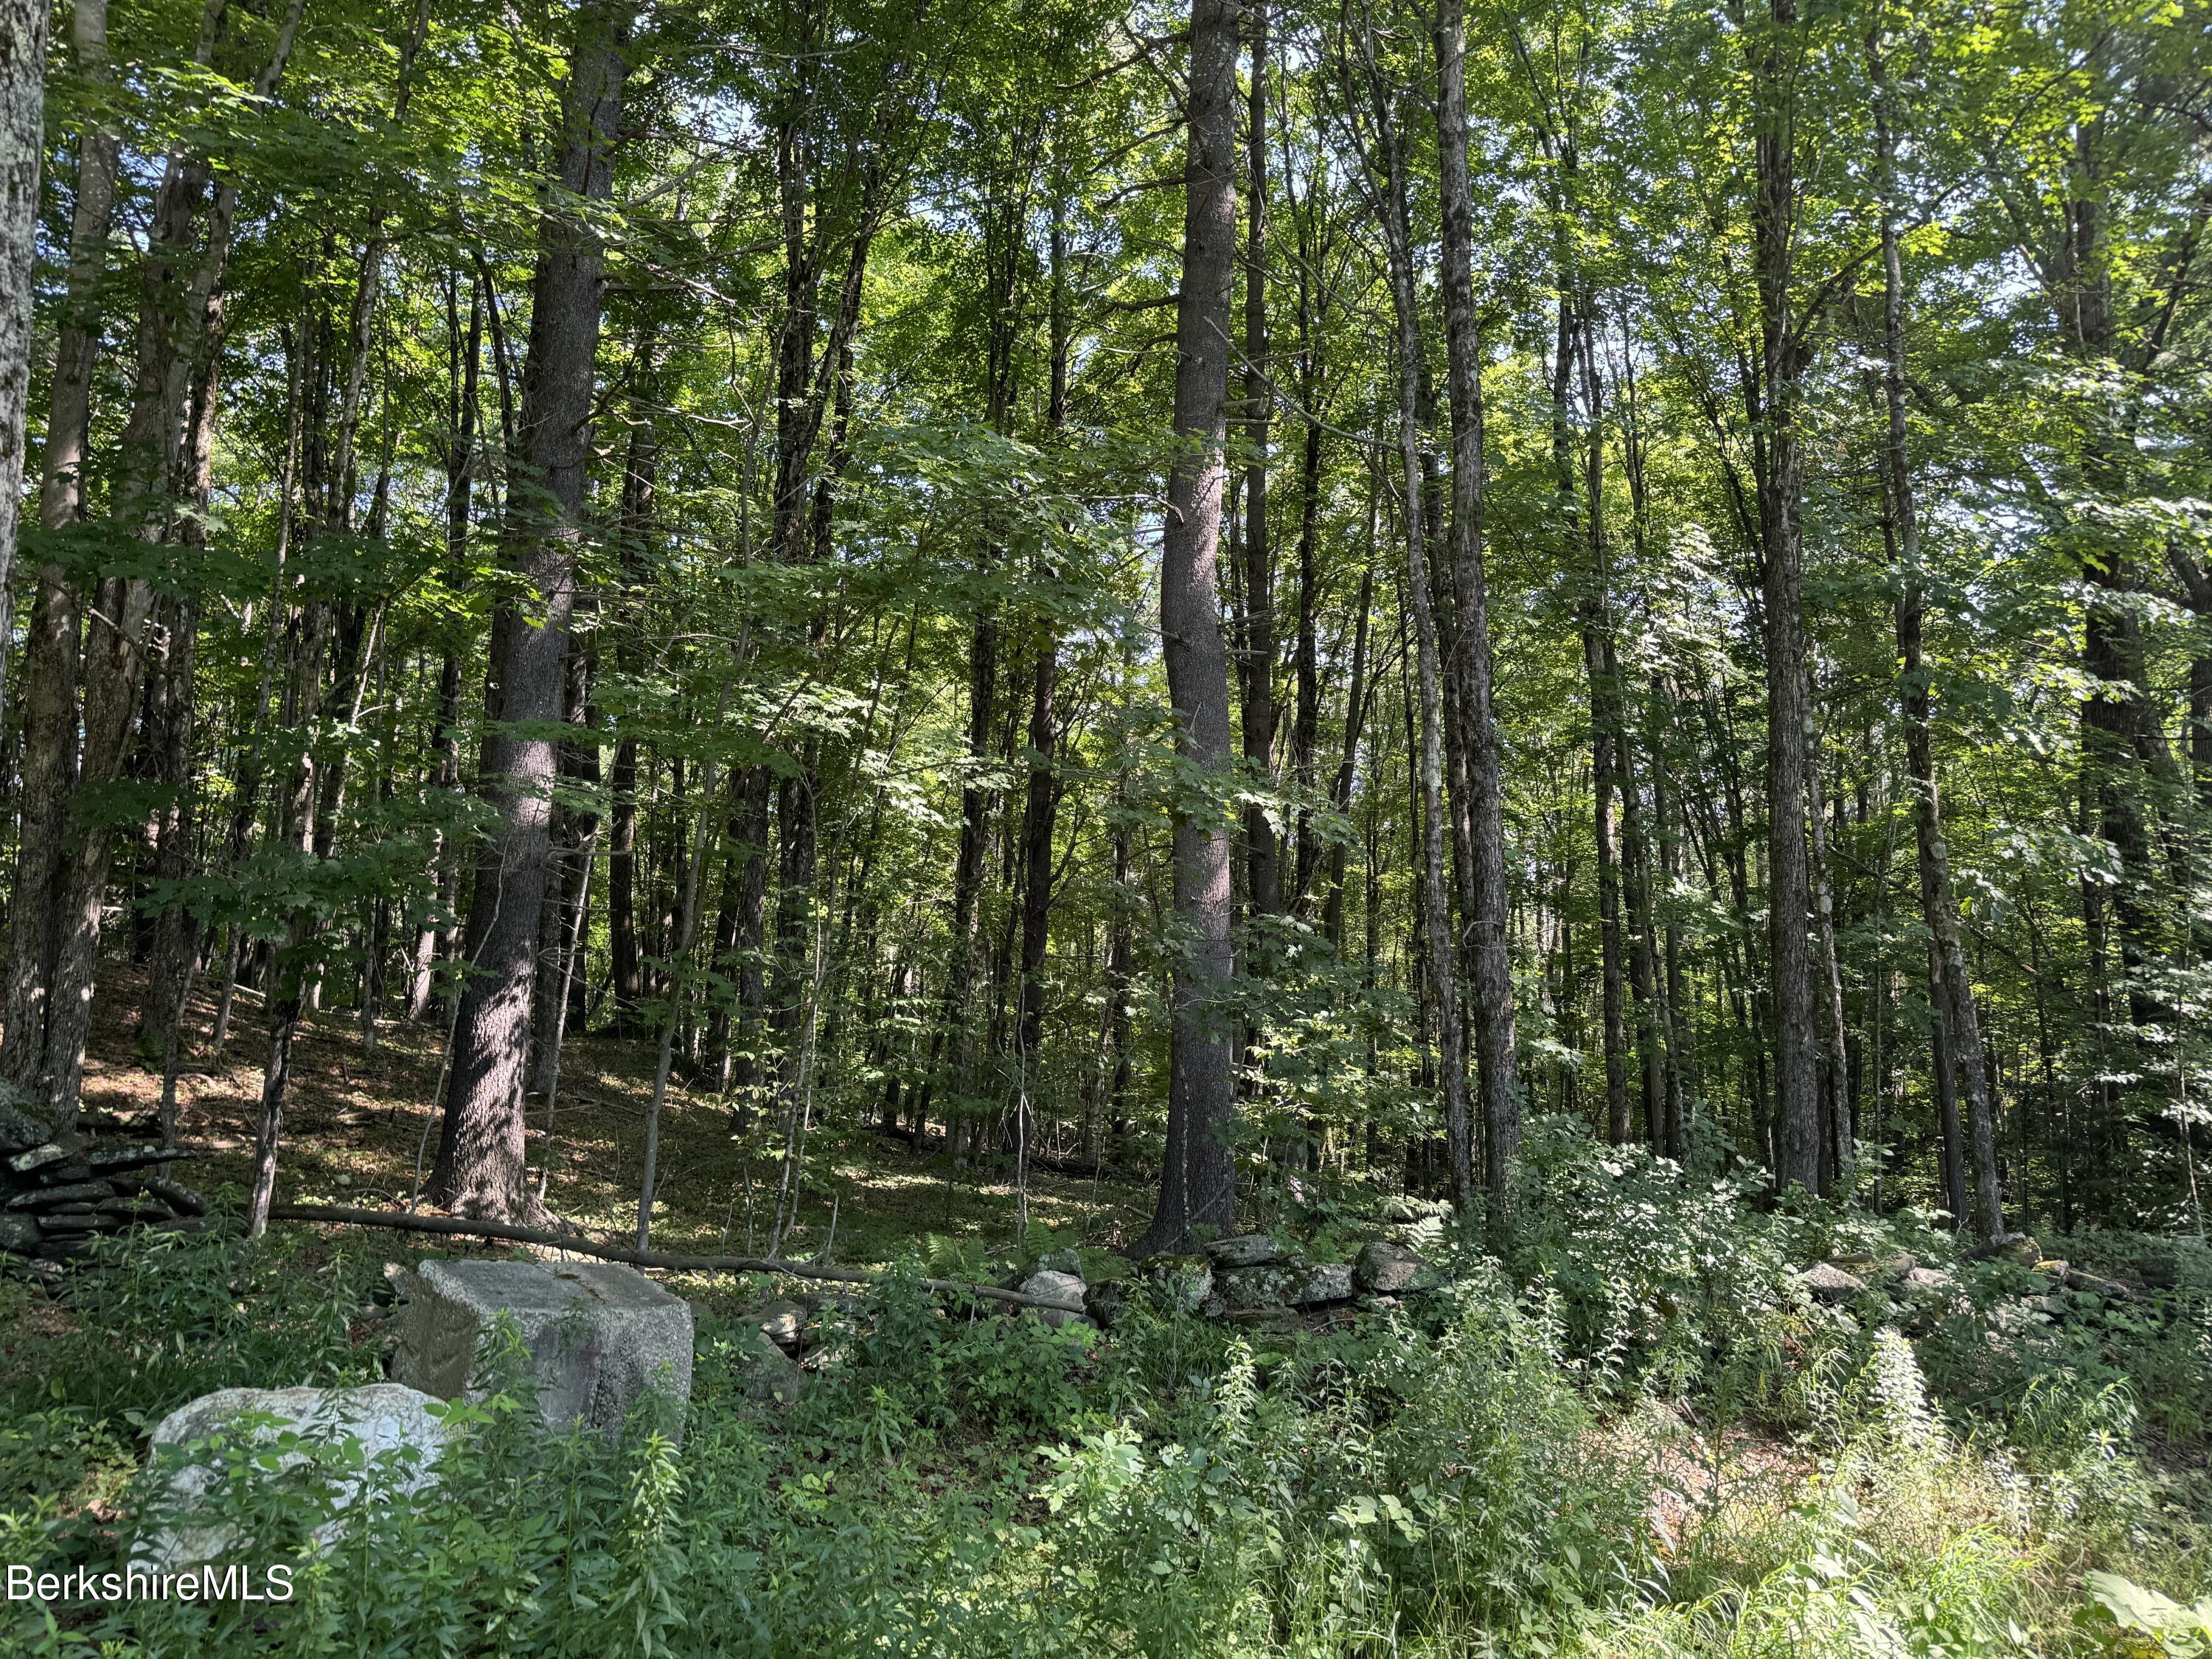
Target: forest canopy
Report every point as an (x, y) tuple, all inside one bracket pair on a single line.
[(1279, 594)]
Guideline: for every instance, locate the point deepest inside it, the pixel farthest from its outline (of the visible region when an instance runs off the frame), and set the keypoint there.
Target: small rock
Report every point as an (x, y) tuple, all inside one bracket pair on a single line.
[(383, 1418), (2019, 1248), (18, 1234), (1244, 1250), (1060, 1287), (1385, 1268), (1928, 1282), (1831, 1283), (1331, 1281)]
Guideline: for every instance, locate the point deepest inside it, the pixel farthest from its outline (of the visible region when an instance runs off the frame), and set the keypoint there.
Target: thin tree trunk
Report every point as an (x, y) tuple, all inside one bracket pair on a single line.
[(1953, 987), (1790, 898), (1432, 907)]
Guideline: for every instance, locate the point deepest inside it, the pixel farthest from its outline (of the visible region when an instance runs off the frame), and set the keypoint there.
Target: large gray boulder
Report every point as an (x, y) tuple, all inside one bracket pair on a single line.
[(398, 1429), (598, 1335), (1244, 1250), (1325, 1282), (1830, 1283), (1058, 1287), (1385, 1268)]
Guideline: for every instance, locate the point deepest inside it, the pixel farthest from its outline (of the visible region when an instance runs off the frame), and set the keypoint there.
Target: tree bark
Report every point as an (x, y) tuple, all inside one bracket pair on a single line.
[(1953, 988), (1789, 899), (1198, 1173), (480, 1152), (22, 146), (1485, 948)]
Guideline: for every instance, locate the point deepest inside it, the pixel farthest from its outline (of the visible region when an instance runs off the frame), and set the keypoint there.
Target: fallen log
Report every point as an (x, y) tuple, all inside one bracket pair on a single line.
[(463, 1227)]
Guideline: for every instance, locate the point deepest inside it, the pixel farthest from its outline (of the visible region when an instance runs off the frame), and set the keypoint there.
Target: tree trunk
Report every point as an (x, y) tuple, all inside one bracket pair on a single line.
[(1485, 949), (1433, 903), (1790, 898), (1953, 988), (1198, 1173), (22, 146), (1263, 861), (480, 1154)]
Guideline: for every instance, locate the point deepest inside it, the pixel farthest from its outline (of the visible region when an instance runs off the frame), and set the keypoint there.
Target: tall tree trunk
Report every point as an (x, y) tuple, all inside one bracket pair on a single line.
[(1789, 897), (1198, 1172), (480, 1152), (1953, 988), (1263, 861), (1486, 951), (1426, 740), (22, 146)]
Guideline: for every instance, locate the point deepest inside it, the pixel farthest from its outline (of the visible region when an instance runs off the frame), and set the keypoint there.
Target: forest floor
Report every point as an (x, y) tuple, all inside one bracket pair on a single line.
[(1638, 1437), (360, 1126)]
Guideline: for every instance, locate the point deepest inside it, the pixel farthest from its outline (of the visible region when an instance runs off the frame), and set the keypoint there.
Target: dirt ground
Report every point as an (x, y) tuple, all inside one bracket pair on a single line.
[(358, 1125)]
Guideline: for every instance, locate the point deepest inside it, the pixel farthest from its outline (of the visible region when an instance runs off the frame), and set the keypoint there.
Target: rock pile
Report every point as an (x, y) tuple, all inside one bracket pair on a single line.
[(1248, 1278), (58, 1192)]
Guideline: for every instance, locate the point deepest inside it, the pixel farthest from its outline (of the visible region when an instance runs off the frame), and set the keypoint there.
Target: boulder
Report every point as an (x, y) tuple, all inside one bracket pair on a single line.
[(1928, 1282), (1272, 1286), (1830, 1283), (782, 1323), (1103, 1302), (773, 1375), (1060, 1287), (1181, 1282), (1330, 1281), (2159, 1273), (43, 1156), (19, 1234), (2019, 1248), (19, 1130), (400, 1428), (1244, 1250), (598, 1335), (1385, 1268)]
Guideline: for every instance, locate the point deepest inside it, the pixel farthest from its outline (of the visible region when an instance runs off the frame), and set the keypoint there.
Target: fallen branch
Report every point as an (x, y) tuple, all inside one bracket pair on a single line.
[(457, 1227)]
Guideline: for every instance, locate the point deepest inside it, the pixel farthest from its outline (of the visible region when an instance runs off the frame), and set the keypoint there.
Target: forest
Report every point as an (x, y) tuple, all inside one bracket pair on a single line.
[(1410, 800)]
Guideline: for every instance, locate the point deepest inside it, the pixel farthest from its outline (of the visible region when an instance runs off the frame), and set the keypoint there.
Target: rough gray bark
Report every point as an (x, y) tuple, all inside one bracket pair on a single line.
[(480, 1151), (1262, 852), (1198, 1174), (1781, 481), (52, 640), (22, 146), (1432, 906), (1957, 1017), (1485, 949)]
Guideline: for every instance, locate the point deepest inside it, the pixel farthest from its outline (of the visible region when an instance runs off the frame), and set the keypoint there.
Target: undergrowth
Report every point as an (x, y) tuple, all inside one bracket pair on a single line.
[(1636, 1435)]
